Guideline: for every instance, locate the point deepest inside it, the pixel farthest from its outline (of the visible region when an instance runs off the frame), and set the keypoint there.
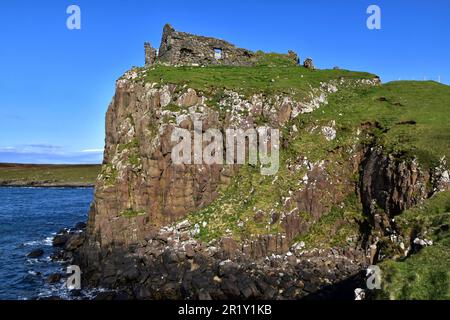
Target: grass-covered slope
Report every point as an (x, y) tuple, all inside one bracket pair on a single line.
[(410, 119), (426, 274), (48, 175)]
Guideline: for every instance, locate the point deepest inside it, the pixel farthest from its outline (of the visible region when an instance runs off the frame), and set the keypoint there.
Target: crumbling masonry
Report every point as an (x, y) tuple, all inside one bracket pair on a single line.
[(181, 48)]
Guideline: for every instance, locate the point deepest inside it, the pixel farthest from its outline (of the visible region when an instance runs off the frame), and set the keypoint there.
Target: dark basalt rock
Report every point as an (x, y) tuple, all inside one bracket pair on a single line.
[(105, 296), (54, 278), (60, 240), (207, 273), (80, 226), (35, 253), (74, 241)]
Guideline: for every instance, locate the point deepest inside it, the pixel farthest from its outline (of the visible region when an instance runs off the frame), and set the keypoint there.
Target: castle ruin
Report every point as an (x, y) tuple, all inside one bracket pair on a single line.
[(181, 48)]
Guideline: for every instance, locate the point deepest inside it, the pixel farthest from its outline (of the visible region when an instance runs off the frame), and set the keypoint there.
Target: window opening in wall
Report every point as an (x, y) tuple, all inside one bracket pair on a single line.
[(218, 53)]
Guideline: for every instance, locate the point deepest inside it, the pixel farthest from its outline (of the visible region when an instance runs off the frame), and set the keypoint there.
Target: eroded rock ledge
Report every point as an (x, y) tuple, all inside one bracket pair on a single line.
[(172, 264)]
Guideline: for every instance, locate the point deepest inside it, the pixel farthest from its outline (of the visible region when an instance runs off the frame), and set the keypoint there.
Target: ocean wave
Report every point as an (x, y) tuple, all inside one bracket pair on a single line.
[(32, 261), (60, 290), (45, 242)]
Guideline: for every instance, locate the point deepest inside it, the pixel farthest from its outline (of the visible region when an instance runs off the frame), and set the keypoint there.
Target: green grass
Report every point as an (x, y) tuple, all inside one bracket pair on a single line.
[(428, 217), (132, 149), (109, 174), (273, 75), (337, 228), (413, 118), (425, 275), (234, 212), (130, 213), (134, 144), (58, 174), (274, 60)]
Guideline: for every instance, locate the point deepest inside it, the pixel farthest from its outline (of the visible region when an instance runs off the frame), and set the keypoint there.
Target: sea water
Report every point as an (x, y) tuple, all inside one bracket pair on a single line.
[(29, 219)]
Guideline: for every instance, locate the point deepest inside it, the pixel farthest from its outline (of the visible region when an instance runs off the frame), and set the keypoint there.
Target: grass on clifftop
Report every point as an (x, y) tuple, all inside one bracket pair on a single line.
[(273, 75), (58, 174)]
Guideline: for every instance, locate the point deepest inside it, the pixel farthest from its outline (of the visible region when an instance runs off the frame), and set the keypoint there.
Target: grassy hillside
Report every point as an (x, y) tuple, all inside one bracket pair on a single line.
[(410, 119), (21, 174)]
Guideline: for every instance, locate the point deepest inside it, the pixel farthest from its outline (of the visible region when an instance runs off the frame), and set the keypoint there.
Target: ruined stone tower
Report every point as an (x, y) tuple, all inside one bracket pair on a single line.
[(151, 54)]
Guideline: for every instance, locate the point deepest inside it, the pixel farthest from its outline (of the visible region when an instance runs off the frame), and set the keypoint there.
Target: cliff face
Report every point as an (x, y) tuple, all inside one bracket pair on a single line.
[(141, 190), (166, 230)]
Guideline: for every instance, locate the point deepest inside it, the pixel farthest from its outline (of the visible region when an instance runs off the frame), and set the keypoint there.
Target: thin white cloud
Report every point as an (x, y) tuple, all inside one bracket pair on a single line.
[(48, 154), (50, 158), (33, 148)]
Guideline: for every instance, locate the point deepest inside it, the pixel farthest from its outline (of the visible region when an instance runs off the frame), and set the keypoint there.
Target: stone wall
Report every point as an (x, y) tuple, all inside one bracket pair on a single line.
[(151, 55), (180, 48)]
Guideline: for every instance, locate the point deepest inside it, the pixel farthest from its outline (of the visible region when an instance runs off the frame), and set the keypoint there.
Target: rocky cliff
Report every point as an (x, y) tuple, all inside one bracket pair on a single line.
[(163, 230), (140, 189)]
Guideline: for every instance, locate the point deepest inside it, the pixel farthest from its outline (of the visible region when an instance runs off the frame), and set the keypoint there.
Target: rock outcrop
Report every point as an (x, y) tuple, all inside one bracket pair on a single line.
[(308, 64), (390, 185), (172, 264)]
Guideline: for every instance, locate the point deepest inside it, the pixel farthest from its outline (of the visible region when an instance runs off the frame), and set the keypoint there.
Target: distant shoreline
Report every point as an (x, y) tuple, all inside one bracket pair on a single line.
[(48, 176), (44, 185)]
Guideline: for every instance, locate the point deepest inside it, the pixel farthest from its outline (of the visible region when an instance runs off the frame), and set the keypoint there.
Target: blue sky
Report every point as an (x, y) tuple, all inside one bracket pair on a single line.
[(56, 84)]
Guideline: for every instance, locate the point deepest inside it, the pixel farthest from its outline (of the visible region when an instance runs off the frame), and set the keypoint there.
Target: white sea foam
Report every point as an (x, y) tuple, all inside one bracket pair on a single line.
[(45, 242)]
